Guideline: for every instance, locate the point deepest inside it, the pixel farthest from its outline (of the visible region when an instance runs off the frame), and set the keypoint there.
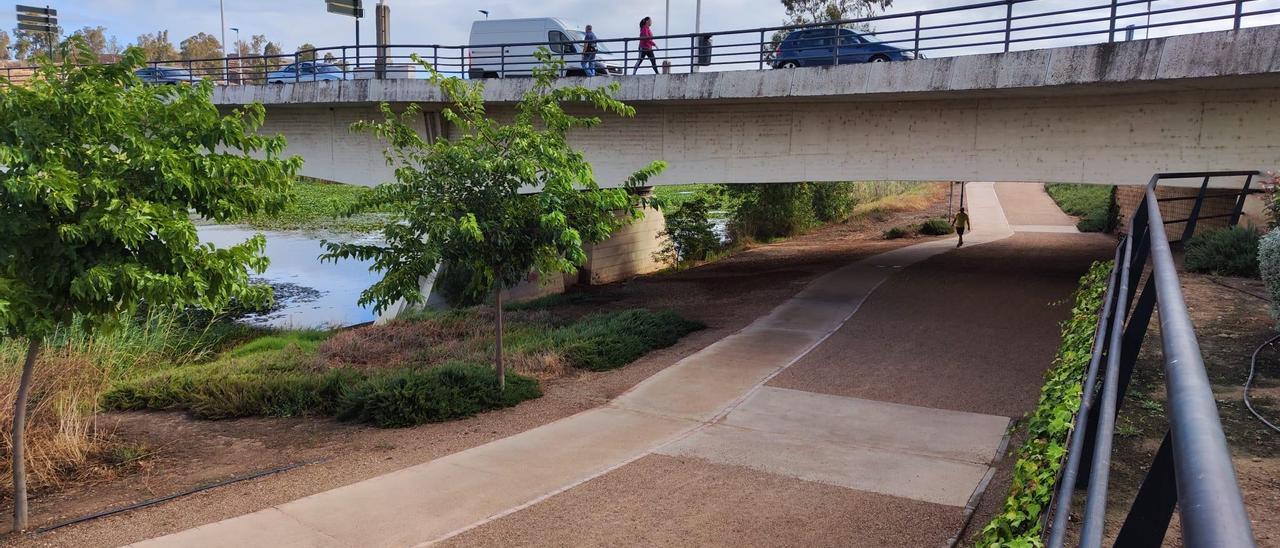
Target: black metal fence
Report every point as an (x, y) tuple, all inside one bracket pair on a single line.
[(982, 27), (1192, 469)]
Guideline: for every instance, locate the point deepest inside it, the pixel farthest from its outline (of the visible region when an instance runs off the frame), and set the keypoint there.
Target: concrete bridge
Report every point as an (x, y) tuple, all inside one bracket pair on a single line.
[(1107, 113)]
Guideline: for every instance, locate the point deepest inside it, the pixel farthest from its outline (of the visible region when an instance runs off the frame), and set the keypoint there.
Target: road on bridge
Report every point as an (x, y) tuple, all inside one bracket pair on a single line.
[(868, 409)]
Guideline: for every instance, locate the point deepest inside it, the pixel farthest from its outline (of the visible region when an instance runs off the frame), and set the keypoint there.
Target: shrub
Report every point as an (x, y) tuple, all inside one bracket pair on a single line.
[(768, 211), (1035, 473), (936, 227), (1229, 251), (608, 341), (832, 202), (1095, 205), (689, 234), (1269, 266), (409, 397), (897, 232)]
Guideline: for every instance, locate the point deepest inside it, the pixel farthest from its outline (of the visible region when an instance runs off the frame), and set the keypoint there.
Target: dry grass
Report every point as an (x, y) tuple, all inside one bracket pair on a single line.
[(909, 200), (74, 369), (62, 437), (444, 337)]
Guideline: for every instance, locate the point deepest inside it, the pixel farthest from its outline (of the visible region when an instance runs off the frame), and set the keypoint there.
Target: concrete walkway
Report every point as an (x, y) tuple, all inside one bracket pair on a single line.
[(711, 407)]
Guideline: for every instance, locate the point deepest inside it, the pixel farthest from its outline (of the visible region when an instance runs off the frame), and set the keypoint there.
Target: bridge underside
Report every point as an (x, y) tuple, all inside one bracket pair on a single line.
[(1105, 114), (1105, 139)]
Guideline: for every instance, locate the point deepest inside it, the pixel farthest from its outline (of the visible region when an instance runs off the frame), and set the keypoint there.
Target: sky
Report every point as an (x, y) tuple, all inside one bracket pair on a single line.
[(294, 22)]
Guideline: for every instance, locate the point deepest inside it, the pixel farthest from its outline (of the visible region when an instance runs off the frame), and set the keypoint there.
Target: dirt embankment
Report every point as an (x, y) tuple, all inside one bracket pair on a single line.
[(182, 453)]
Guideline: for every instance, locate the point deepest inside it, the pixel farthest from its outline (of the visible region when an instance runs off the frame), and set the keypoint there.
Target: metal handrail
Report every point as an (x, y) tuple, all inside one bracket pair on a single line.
[(931, 32), (1193, 467)]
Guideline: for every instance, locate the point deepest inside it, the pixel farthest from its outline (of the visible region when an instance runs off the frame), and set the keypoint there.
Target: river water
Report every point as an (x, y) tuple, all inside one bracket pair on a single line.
[(308, 294)]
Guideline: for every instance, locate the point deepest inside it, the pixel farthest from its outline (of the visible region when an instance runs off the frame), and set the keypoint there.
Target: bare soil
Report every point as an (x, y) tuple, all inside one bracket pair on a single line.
[(179, 453), (1231, 318)]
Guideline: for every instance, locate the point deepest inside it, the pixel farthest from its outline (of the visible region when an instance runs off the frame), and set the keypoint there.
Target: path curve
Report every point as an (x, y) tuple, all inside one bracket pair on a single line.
[(665, 414)]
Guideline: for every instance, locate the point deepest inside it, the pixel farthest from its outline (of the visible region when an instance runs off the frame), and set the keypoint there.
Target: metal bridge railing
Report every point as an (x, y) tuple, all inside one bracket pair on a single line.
[(983, 27), (1192, 469)]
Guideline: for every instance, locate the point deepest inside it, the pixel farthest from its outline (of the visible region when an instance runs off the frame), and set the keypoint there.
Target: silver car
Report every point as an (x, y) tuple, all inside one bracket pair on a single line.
[(306, 71)]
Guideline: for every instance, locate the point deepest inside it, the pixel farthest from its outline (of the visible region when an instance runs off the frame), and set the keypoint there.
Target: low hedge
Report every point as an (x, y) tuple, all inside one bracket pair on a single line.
[(1224, 252), (1035, 474)]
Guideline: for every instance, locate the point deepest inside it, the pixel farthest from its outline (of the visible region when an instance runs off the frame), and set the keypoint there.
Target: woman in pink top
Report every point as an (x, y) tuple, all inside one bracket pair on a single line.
[(647, 45)]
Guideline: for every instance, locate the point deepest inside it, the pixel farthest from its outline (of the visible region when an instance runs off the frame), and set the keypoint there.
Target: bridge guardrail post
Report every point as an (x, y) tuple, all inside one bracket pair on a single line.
[(915, 49), (1111, 31), (1190, 230), (764, 51), (1148, 518), (1008, 24), (1239, 207), (1239, 14)]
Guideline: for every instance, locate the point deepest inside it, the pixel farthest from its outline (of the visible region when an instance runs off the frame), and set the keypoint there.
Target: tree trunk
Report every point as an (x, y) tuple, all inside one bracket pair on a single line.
[(502, 368), (19, 445)]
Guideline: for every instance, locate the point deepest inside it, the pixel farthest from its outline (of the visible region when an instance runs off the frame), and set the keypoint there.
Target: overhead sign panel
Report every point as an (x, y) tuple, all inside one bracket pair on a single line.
[(34, 10), (351, 8), (29, 27)]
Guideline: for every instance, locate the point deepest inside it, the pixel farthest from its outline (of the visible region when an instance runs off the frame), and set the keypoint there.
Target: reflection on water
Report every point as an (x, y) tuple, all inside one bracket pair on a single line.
[(308, 293)]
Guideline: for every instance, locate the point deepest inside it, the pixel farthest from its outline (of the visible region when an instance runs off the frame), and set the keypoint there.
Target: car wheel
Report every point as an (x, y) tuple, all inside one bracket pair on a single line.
[(879, 59), (788, 64)]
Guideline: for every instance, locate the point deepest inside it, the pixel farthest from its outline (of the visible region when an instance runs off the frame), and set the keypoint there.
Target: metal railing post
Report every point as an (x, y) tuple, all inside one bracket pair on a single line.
[(1239, 14), (1190, 230), (763, 51), (1239, 208), (915, 48), (835, 45), (1008, 24), (1111, 32), (1148, 518)]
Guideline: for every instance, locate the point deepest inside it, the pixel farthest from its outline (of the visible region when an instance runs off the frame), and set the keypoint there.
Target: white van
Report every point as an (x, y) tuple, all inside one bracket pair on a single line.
[(493, 57)]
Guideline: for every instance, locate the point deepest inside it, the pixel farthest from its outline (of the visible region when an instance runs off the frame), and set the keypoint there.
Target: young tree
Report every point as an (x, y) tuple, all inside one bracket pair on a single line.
[(498, 202), (95, 38), (157, 47), (202, 46), (307, 52), (4, 46), (31, 44), (100, 177)]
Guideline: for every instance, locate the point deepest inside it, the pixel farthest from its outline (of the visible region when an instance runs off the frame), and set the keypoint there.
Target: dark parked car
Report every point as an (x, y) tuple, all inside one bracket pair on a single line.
[(164, 75), (818, 47)]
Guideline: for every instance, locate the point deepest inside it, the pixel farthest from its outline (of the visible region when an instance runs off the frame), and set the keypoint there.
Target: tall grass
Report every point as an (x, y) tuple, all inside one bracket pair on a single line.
[(75, 368)]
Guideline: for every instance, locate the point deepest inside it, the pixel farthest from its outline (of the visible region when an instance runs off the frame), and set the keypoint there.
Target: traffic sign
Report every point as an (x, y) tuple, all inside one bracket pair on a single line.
[(351, 8), (30, 27), (36, 11)]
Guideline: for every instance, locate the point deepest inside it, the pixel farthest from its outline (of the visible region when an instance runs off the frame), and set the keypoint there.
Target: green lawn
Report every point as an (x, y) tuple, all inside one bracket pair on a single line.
[(318, 205), (1091, 203)]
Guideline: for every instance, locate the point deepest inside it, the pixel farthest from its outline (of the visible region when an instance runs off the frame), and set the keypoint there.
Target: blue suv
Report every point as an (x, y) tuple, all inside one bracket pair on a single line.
[(818, 47)]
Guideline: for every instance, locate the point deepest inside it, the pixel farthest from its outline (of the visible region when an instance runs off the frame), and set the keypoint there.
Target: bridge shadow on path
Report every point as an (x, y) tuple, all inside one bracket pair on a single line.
[(972, 330)]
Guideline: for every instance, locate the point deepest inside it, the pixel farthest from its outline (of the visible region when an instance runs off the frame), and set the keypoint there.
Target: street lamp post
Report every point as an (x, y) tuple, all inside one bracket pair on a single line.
[(697, 31), (222, 21)]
